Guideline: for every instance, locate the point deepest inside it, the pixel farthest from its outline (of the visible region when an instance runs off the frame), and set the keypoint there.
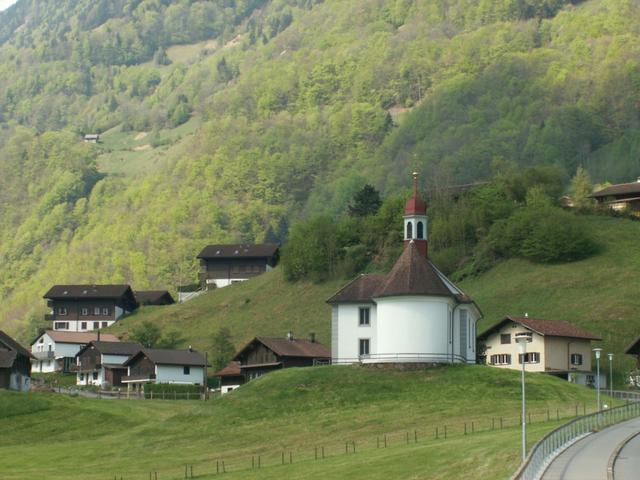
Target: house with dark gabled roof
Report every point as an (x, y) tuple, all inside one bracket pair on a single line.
[(265, 354), (620, 197), (223, 265), (154, 297), (15, 365), (558, 348), (102, 363), (231, 377), (414, 314), (163, 365), (81, 308)]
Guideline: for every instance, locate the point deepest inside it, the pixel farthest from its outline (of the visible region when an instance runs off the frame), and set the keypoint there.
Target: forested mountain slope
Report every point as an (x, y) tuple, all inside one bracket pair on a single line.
[(292, 105)]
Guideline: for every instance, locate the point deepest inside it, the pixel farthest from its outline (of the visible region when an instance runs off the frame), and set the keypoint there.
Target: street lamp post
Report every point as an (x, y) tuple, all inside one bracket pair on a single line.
[(610, 355), (597, 351), (523, 338)]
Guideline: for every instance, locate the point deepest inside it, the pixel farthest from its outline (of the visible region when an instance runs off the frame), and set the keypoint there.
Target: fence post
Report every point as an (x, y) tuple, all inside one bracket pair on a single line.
[(407, 438), (465, 428), (377, 442), (224, 470), (557, 414), (354, 446), (436, 433), (217, 467), (290, 457), (493, 423), (323, 453), (185, 471), (445, 432), (385, 441), (283, 458), (415, 436), (500, 423), (316, 454), (473, 427), (259, 463)]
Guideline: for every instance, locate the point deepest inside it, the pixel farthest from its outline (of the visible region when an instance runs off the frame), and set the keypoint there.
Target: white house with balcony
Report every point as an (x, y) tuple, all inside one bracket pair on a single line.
[(414, 314), (55, 351)]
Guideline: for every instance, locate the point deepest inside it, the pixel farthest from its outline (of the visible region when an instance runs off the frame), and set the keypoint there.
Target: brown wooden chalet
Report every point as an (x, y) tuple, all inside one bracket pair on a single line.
[(264, 354), (231, 377), (160, 365), (624, 196), (80, 308), (102, 363), (634, 350), (222, 265), (15, 364), (153, 297)]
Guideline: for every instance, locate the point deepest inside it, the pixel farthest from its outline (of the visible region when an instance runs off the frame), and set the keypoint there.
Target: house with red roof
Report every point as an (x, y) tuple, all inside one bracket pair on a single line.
[(414, 314), (557, 347)]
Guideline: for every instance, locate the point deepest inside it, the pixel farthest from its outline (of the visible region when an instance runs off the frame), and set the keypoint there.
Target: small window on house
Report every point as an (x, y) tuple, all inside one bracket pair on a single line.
[(409, 230), (96, 310), (105, 310), (96, 325), (83, 326), (576, 359), (505, 338), (363, 347), (95, 375), (364, 313), (531, 357), (187, 370), (84, 311), (62, 310), (105, 324), (420, 230), (82, 377)]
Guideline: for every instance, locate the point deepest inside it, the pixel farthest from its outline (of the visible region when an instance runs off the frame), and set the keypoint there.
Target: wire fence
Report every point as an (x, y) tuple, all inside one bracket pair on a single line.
[(552, 444), (268, 456)]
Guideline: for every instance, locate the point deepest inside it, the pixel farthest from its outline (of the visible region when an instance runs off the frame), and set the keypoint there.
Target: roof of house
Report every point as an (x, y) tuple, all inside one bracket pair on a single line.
[(153, 297), (165, 356), (360, 289), (619, 189), (284, 347), (15, 349), (112, 348), (61, 292), (232, 369), (266, 250), (634, 347), (552, 328), (412, 274), (81, 338)]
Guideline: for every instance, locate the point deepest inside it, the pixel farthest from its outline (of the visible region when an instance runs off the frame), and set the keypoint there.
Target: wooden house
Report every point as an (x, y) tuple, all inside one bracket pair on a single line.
[(231, 377), (15, 365), (160, 365), (81, 308), (92, 138), (223, 265), (102, 363), (265, 354), (55, 350), (620, 197), (557, 348), (153, 297)]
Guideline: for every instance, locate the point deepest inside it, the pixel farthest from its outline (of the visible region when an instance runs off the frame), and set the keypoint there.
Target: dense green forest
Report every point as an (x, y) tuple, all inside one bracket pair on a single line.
[(231, 120)]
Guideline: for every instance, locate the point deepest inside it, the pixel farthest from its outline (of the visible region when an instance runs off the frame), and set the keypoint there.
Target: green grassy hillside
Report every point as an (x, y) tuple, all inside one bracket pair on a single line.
[(599, 294), (295, 100), (294, 410), (267, 305)]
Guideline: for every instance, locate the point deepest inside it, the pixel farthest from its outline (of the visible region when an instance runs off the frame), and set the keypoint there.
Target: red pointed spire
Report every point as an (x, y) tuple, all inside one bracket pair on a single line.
[(415, 205)]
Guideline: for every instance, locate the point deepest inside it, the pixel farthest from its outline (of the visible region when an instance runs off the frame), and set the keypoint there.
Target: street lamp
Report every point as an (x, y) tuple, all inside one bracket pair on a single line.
[(610, 374), (523, 338), (597, 351)]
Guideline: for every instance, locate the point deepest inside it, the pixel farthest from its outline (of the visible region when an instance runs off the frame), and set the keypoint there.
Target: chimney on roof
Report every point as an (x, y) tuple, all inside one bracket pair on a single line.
[(312, 337), (290, 336)]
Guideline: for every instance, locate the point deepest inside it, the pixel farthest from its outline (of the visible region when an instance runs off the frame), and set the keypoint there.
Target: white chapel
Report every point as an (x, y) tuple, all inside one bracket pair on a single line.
[(414, 314)]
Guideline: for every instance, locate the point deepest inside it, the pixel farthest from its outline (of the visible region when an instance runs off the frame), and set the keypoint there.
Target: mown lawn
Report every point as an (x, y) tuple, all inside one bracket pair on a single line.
[(51, 436)]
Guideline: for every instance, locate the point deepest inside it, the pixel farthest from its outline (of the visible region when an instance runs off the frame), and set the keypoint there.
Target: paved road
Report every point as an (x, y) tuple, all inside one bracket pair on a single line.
[(588, 458), (627, 466)]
